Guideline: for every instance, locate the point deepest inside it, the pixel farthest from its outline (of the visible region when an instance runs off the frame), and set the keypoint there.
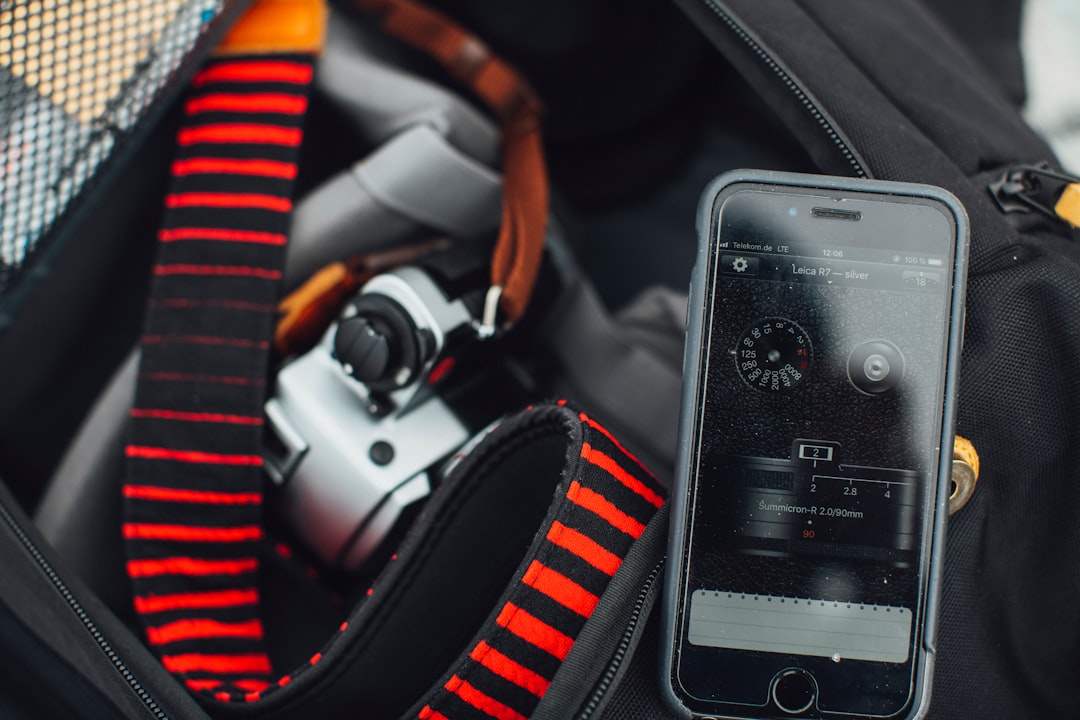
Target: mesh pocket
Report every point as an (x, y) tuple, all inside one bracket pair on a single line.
[(76, 79)]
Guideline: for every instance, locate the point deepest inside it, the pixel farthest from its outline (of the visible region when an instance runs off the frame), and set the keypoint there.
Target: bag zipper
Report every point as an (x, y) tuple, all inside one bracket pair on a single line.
[(794, 87), (621, 650), (46, 567)]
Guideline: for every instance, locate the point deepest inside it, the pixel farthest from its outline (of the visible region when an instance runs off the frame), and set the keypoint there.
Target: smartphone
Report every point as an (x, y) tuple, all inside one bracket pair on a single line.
[(824, 328)]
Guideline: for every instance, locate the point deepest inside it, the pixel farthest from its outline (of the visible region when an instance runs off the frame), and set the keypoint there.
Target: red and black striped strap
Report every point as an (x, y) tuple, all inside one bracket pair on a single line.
[(606, 499), (193, 496)]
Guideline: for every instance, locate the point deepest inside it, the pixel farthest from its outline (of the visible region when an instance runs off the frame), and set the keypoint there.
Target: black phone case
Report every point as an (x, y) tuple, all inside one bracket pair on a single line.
[(682, 490)]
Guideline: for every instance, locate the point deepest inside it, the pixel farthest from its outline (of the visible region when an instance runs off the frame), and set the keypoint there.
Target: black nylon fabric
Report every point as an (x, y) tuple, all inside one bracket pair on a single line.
[(938, 90), (990, 30), (911, 102), (1010, 638)]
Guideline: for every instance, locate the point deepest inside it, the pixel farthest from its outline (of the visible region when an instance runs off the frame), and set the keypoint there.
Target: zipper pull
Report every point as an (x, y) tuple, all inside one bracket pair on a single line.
[(1024, 188)]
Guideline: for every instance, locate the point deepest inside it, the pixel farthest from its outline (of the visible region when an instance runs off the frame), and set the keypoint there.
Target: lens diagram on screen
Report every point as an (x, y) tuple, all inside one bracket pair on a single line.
[(812, 506), (815, 504)]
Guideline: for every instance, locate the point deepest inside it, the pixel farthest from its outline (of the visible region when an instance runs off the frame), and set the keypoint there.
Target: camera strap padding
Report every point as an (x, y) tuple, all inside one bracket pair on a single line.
[(193, 494), (600, 498), (509, 563)]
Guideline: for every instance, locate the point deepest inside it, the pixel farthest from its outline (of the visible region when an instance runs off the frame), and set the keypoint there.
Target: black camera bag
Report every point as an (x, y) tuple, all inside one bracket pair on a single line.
[(880, 90)]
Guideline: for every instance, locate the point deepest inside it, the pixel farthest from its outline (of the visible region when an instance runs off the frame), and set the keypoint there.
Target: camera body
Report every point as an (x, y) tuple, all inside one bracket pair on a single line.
[(358, 425)]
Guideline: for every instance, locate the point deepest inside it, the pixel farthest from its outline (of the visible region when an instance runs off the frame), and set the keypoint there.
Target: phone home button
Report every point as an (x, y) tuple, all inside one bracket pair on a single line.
[(794, 690)]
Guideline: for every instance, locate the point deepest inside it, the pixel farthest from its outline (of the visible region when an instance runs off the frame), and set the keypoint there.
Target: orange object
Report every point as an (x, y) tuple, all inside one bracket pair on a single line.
[(965, 474), (307, 311), (964, 451), (278, 27), (1068, 205)]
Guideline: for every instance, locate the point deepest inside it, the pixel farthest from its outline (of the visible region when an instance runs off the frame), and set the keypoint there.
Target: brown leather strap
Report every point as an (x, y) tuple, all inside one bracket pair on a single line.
[(518, 250)]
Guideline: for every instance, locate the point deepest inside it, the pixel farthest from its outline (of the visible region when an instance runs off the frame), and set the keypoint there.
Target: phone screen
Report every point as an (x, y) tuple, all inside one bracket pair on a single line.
[(815, 455)]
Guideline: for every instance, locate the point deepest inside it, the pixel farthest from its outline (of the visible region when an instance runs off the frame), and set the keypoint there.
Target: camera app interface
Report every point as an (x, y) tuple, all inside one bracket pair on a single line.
[(820, 417)]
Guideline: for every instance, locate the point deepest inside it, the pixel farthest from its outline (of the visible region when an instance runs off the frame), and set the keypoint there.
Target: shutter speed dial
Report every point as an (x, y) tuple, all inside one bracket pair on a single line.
[(774, 354)]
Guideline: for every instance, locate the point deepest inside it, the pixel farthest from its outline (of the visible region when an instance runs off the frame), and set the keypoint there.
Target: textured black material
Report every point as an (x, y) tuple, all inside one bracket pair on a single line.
[(638, 695)]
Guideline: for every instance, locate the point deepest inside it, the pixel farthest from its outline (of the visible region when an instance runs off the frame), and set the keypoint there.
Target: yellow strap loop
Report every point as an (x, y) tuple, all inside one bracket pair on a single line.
[(1068, 205), (965, 473)]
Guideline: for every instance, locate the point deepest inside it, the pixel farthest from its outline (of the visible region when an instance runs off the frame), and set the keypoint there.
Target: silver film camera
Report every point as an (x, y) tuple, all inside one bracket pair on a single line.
[(357, 425)]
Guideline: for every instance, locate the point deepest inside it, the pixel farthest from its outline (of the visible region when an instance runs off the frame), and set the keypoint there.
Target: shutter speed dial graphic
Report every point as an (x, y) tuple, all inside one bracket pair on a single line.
[(774, 354)]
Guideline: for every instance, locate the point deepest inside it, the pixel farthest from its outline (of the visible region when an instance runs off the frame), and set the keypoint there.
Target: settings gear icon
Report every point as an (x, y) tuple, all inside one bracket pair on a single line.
[(740, 264)]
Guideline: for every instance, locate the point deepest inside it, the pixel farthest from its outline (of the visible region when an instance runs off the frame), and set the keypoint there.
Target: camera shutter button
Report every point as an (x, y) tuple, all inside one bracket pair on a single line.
[(362, 349)]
